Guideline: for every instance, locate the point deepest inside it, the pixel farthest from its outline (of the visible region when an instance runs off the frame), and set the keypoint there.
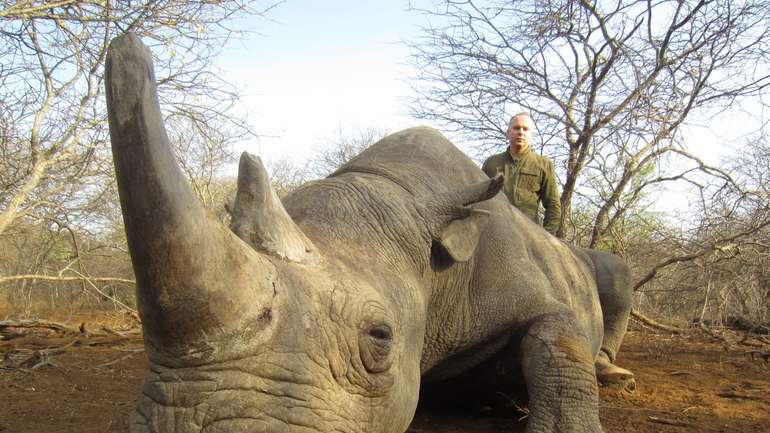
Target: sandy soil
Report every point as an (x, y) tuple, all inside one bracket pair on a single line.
[(89, 383)]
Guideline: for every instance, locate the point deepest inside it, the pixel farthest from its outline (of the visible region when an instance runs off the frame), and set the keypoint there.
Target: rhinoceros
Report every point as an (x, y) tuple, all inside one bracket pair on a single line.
[(329, 310)]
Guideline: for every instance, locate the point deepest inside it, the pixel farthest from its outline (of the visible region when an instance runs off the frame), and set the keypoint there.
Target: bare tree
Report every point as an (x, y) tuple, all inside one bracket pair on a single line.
[(341, 148), (53, 109), (288, 173), (55, 165), (715, 269), (609, 84)]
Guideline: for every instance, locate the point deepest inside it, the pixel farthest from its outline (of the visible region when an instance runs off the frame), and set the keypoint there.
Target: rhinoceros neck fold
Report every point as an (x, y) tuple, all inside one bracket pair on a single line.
[(196, 282)]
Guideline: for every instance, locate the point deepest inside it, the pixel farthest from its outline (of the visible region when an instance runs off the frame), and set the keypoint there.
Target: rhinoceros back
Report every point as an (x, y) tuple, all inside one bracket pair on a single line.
[(419, 159)]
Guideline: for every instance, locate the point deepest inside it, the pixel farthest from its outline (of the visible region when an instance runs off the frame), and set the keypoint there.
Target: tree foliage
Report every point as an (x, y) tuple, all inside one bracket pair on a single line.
[(287, 173), (55, 162), (54, 139), (616, 90), (609, 84), (341, 148)]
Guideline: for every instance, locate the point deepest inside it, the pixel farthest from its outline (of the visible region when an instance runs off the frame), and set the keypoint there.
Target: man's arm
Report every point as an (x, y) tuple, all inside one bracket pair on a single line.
[(489, 167), (551, 200)]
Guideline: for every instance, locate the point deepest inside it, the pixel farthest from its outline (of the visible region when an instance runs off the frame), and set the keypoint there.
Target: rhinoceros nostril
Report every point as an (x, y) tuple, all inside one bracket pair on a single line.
[(267, 314)]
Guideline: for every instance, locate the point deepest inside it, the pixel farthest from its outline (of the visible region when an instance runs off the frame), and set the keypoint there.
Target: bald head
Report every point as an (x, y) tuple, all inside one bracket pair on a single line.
[(521, 116), (519, 134)]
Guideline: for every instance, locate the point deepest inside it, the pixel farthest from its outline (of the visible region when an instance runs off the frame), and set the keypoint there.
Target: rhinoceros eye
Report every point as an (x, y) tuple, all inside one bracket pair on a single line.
[(375, 343), (381, 333)]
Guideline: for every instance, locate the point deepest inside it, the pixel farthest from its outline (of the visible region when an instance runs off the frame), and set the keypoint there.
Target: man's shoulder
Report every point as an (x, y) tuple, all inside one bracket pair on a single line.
[(540, 160), (496, 158), (494, 164)]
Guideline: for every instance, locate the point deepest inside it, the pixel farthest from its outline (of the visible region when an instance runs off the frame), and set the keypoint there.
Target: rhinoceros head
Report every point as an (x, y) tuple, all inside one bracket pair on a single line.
[(249, 329), (253, 328)]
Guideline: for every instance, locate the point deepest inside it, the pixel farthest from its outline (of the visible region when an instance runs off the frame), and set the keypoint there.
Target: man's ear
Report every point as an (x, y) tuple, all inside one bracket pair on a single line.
[(460, 237)]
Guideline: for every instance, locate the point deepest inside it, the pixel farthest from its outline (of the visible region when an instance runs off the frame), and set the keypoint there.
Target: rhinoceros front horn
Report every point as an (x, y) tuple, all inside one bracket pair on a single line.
[(197, 283)]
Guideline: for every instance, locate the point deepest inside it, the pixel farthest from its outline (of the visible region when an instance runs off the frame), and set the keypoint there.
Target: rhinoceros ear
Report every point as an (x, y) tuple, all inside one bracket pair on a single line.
[(259, 218), (456, 225), (460, 237)]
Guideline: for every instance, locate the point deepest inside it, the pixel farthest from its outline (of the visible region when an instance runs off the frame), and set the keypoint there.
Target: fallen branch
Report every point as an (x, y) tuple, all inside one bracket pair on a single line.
[(112, 298), (7, 328), (61, 278), (733, 394), (82, 278), (673, 422), (765, 356), (38, 359), (726, 343), (108, 427), (33, 359), (44, 324), (745, 341), (655, 324), (129, 333), (133, 352)]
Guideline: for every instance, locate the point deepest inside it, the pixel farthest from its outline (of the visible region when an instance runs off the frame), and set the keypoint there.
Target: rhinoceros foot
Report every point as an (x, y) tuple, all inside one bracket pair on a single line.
[(608, 373)]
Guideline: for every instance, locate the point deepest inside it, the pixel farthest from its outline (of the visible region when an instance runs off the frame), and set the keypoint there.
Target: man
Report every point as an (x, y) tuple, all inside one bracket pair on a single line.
[(529, 178)]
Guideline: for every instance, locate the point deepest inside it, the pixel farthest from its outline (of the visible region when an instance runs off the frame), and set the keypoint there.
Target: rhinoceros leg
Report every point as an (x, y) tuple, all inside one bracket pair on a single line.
[(615, 295), (557, 364)]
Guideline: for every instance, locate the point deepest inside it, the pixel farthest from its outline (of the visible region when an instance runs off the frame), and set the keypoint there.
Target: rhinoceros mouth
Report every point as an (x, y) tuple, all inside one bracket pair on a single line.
[(251, 410), (292, 392), (295, 420), (246, 409), (266, 424)]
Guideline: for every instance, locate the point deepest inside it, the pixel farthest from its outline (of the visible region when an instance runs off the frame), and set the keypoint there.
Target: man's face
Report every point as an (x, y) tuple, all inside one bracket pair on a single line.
[(519, 133)]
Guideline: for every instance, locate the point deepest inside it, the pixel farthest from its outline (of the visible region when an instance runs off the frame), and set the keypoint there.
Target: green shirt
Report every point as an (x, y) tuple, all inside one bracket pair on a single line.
[(527, 181)]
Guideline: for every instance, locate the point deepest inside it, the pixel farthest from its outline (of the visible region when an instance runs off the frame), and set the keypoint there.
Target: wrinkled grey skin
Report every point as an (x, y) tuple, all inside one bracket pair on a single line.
[(323, 313)]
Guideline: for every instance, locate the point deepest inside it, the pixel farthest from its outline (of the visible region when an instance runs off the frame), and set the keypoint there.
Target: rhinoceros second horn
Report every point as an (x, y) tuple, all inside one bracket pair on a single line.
[(259, 218)]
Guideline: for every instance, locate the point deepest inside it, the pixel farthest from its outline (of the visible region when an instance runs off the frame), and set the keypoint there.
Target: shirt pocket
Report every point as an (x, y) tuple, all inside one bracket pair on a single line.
[(529, 180)]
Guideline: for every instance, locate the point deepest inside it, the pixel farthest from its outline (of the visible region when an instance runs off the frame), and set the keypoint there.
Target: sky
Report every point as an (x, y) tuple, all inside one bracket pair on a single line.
[(318, 68), (322, 67)]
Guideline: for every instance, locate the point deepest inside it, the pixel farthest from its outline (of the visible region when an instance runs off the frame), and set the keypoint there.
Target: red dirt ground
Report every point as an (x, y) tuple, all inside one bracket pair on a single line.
[(685, 384)]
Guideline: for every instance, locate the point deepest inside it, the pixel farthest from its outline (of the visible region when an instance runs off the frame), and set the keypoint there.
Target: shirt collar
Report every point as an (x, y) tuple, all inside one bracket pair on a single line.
[(523, 155)]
